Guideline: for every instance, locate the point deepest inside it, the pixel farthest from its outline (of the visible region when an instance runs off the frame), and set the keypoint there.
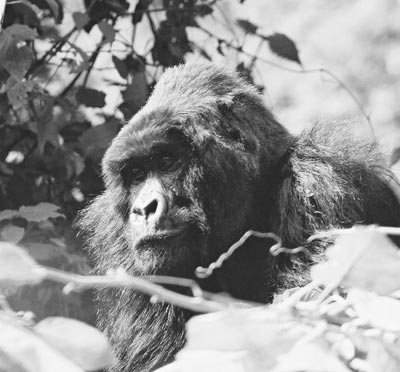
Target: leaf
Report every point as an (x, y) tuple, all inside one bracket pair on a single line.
[(259, 331), (203, 10), (309, 356), (45, 253), (56, 10), (12, 234), (18, 61), (107, 30), (247, 27), (80, 19), (120, 66), (284, 47), (395, 156), (79, 64), (139, 11), (17, 266), (8, 214), (363, 259), (380, 311), (29, 352), (135, 95), (90, 97), (379, 359), (96, 140), (40, 212), (17, 91), (19, 33), (91, 350), (74, 164)]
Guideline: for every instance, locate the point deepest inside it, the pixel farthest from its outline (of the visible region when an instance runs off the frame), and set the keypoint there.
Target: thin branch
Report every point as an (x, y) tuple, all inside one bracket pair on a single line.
[(79, 282), (320, 70)]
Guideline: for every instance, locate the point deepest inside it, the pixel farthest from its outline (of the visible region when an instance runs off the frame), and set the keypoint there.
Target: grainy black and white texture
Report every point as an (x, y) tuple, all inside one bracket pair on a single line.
[(203, 162)]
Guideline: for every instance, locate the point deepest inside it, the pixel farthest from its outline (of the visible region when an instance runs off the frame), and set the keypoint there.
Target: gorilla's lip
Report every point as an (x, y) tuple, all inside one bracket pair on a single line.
[(161, 236)]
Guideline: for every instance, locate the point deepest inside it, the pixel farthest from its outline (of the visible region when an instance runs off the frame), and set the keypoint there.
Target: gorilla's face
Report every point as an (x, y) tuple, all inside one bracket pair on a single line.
[(177, 198)]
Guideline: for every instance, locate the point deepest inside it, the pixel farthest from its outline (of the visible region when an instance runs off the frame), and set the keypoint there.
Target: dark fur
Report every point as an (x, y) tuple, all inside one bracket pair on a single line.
[(245, 172)]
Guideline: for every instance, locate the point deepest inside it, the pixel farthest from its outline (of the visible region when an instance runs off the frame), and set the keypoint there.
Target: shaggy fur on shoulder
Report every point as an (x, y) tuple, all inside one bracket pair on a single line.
[(243, 171)]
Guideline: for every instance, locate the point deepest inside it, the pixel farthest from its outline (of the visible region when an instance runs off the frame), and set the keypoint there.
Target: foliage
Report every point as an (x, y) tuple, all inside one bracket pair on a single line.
[(56, 120), (69, 80), (309, 329)]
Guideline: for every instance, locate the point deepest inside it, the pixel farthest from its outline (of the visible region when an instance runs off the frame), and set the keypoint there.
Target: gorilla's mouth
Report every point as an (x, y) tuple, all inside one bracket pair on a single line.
[(161, 236)]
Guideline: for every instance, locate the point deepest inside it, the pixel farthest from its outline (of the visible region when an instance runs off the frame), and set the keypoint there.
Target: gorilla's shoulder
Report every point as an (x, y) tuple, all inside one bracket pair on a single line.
[(336, 180)]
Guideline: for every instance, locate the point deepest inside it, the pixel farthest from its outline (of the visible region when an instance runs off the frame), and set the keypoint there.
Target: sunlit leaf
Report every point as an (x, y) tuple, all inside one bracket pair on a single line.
[(380, 311), (253, 330), (12, 234), (17, 266), (29, 352), (8, 214), (363, 259), (312, 356), (284, 47), (40, 212), (80, 64), (90, 350)]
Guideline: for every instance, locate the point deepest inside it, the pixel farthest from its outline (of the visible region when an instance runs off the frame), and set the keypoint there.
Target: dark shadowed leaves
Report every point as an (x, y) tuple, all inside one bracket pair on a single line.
[(90, 97), (284, 47), (95, 140), (120, 66), (140, 10), (107, 30), (80, 19), (203, 10), (246, 26)]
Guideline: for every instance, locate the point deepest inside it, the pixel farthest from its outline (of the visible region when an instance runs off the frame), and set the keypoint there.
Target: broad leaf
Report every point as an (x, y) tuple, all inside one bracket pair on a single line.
[(16, 266), (80, 19), (380, 311), (29, 352), (90, 97), (284, 47), (107, 30), (363, 259), (247, 26), (312, 356), (40, 212), (84, 345), (12, 234), (120, 66), (8, 214)]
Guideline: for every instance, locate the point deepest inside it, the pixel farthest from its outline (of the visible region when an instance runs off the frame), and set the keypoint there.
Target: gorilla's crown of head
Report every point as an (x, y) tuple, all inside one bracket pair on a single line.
[(213, 106)]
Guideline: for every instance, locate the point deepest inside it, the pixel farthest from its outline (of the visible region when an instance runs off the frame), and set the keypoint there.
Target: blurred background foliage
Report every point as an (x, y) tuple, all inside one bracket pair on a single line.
[(72, 73)]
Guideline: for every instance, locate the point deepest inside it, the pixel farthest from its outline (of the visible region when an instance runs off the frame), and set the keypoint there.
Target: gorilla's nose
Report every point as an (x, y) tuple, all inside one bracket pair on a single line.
[(152, 208)]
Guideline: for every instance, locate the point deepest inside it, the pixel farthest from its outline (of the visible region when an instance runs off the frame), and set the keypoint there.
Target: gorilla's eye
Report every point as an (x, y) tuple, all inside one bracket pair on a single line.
[(133, 173), (166, 162), (137, 173)]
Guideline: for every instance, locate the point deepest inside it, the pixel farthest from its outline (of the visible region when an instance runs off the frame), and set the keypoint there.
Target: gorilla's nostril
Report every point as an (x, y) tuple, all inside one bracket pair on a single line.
[(151, 208)]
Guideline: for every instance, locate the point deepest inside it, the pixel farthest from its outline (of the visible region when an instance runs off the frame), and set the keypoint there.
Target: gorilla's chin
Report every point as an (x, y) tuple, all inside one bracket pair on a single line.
[(174, 256)]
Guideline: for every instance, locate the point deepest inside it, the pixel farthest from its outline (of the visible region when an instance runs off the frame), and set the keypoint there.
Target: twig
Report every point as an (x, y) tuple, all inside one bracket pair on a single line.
[(381, 229), (79, 282), (202, 272), (320, 70)]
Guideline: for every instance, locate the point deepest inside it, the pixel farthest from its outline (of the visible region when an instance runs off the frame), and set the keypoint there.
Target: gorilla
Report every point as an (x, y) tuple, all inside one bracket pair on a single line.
[(200, 164)]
